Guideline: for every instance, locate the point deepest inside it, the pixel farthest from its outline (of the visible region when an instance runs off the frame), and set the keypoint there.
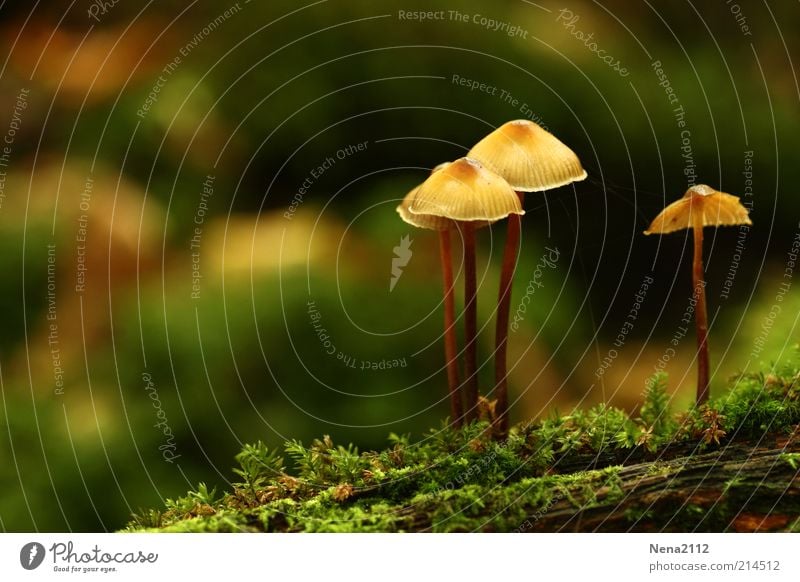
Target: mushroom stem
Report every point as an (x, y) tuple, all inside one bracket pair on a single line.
[(501, 329), (450, 348), (470, 322), (701, 317)]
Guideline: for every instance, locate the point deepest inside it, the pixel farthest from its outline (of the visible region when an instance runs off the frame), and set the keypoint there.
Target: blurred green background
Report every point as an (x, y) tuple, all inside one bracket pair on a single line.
[(145, 128)]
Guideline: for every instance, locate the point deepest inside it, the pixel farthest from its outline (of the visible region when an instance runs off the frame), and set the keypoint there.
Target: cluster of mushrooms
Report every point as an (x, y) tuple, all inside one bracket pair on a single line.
[(489, 185)]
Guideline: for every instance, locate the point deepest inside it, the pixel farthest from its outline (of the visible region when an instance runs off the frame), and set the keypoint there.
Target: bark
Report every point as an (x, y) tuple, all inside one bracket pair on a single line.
[(738, 488)]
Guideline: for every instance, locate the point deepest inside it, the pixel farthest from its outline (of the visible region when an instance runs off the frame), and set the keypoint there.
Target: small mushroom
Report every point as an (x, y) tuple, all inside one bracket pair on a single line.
[(700, 206), (443, 226), (470, 195), (531, 159)]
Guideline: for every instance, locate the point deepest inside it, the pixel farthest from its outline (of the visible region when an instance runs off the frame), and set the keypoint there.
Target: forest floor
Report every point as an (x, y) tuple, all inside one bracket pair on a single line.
[(731, 465)]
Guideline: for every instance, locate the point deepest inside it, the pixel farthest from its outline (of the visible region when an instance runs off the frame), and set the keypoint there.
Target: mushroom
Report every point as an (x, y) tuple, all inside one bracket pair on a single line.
[(471, 196), (531, 159), (700, 206), (443, 226)]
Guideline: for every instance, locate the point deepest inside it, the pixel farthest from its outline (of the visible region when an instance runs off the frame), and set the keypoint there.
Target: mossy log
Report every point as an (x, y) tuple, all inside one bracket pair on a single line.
[(741, 487), (732, 465)]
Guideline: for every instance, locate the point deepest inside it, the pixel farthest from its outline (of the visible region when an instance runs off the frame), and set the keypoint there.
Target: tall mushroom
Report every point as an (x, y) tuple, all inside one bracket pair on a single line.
[(531, 159), (470, 195), (700, 206), (443, 226)]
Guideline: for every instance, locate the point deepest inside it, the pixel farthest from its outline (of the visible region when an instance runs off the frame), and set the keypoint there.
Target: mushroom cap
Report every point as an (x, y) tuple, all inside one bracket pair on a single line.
[(716, 208), (428, 221), (465, 191), (529, 157)]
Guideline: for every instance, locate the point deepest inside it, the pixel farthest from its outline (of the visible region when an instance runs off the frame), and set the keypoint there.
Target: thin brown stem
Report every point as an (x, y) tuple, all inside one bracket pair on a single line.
[(501, 329), (701, 317), (470, 322), (450, 347)]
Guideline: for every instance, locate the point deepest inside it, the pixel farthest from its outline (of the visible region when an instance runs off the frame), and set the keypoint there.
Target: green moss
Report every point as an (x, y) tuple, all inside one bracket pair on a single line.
[(464, 480), (791, 459)]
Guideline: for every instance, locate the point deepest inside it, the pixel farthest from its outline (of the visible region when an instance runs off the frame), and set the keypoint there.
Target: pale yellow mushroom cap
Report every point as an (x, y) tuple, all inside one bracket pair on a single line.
[(428, 221), (529, 157), (716, 209), (465, 191)]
